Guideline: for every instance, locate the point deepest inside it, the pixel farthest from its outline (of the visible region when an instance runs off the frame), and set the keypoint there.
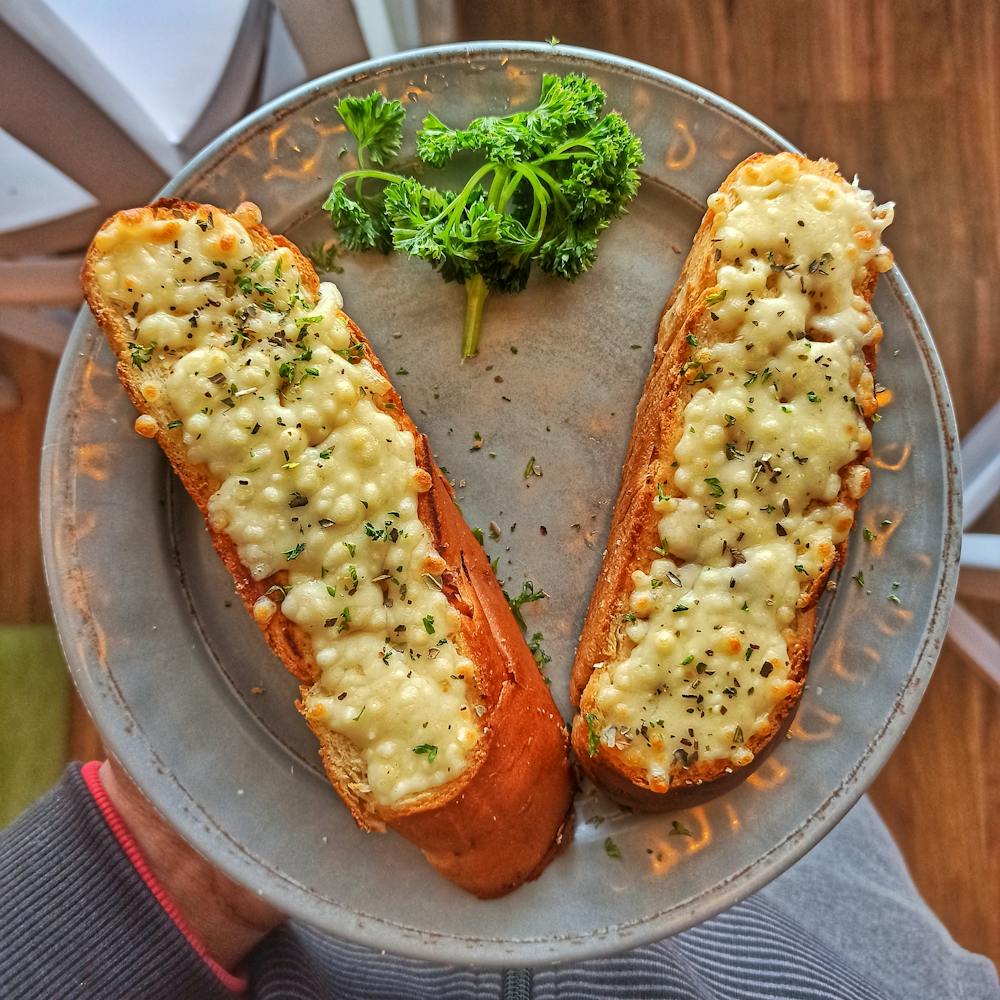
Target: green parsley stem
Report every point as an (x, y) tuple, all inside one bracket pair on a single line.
[(500, 176), (379, 175), (553, 186), (542, 198), (455, 209), (512, 183), (475, 298), (562, 153)]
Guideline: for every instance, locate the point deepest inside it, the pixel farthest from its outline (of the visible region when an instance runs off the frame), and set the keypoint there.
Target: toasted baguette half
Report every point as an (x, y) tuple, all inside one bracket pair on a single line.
[(654, 763), (500, 821)]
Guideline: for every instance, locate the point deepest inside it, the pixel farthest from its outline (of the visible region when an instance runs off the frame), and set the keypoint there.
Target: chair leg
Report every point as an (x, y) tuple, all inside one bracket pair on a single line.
[(976, 642), (981, 551), (980, 572), (981, 466)]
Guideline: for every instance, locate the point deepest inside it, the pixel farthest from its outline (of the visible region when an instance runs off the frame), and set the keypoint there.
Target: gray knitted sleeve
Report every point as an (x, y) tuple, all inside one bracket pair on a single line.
[(76, 918)]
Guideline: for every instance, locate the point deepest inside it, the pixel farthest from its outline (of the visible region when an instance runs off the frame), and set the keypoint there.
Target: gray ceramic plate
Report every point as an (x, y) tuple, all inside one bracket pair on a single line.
[(168, 662)]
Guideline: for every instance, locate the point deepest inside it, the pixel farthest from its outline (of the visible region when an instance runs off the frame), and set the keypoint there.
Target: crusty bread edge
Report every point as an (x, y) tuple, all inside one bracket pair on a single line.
[(634, 531), (520, 711)]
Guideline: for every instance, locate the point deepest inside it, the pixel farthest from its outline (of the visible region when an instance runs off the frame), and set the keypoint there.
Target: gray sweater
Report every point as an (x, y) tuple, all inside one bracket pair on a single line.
[(77, 920)]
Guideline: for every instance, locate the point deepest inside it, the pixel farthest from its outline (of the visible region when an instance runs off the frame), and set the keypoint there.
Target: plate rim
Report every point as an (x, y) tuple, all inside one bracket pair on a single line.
[(298, 901)]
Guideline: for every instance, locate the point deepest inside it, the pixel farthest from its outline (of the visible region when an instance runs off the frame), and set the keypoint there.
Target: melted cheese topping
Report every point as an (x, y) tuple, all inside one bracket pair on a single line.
[(314, 479), (750, 514)]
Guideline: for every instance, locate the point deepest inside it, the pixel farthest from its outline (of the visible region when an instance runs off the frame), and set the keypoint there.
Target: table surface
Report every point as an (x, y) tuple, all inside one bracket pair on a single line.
[(906, 94)]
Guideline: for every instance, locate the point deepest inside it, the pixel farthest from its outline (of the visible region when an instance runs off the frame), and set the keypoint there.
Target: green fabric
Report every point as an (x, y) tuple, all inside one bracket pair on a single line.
[(34, 715)]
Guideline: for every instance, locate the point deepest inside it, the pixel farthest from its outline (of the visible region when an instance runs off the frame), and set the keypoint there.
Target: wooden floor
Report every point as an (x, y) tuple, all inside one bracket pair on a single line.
[(907, 95)]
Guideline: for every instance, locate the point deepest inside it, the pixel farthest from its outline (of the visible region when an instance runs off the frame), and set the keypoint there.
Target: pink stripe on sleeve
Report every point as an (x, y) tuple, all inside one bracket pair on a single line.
[(236, 984)]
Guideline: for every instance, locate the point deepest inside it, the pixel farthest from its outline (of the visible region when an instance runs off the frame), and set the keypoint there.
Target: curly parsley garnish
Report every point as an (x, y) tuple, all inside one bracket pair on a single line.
[(545, 183)]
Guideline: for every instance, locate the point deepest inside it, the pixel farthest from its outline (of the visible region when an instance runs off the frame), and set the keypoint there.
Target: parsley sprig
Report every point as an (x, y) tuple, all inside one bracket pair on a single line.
[(544, 184)]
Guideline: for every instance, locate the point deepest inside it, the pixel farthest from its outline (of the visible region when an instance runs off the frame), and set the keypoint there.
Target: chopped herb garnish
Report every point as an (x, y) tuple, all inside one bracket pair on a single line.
[(140, 355), (295, 552), (714, 298), (174, 423), (715, 487), (535, 645), (354, 353), (429, 624), (427, 750), (593, 734), (869, 535), (611, 849), (679, 830), (527, 596), (324, 256)]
